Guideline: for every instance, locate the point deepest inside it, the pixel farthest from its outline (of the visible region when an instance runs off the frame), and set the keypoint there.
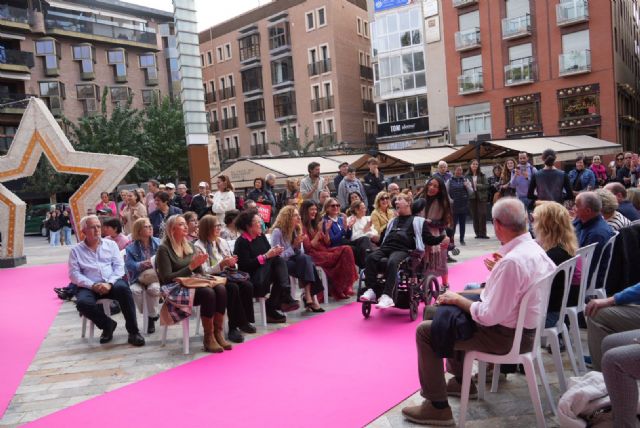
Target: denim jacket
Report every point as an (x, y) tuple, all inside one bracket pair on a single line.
[(588, 178), (135, 255)]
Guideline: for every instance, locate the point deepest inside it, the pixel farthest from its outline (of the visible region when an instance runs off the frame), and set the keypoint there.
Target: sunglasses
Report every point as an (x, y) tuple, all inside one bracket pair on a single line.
[(619, 159), (335, 205), (384, 198)]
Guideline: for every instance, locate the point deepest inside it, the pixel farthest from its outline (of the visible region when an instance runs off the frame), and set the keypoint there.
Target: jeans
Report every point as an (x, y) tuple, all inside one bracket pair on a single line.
[(54, 238), (67, 235), (460, 219), (374, 265)]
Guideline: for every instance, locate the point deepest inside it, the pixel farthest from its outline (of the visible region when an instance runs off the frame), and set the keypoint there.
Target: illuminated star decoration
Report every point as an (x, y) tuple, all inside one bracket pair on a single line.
[(39, 134)]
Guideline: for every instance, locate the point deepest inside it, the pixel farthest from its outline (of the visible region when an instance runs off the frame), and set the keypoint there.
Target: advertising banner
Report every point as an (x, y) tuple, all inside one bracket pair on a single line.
[(380, 5)]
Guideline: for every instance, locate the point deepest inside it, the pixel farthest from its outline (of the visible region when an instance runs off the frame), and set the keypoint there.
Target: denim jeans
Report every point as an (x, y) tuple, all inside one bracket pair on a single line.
[(67, 235), (460, 219), (54, 238)]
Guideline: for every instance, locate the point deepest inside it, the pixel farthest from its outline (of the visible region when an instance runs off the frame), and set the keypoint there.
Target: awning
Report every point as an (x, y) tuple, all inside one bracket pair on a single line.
[(396, 162), (566, 147)]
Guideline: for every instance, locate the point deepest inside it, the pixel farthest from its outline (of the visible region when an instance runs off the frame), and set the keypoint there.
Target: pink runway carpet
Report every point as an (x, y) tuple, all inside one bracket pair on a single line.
[(335, 369), (28, 309)]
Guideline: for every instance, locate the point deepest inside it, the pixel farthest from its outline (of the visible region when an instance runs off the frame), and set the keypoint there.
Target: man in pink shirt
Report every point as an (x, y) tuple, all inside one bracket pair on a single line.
[(518, 265)]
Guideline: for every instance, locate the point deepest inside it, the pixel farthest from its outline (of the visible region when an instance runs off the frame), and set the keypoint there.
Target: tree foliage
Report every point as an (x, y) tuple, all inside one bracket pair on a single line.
[(292, 146), (46, 179)]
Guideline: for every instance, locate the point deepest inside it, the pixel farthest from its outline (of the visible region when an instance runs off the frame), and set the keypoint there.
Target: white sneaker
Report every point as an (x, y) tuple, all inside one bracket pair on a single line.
[(368, 296), (385, 302)]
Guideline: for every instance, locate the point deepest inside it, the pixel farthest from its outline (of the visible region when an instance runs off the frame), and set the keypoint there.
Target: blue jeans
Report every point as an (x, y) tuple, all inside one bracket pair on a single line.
[(460, 219), (54, 238), (67, 235)]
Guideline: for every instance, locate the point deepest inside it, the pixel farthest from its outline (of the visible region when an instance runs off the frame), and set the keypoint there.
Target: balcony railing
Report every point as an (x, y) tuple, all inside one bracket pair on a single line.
[(326, 139), (470, 81), (214, 126), (209, 97), (516, 27), (519, 72), (370, 140), (467, 39), (368, 106), (99, 29), (320, 104), (230, 123), (226, 93), (461, 3), (572, 12), (284, 110), (366, 72), (16, 57), (14, 101), (575, 62), (14, 14), (319, 67)]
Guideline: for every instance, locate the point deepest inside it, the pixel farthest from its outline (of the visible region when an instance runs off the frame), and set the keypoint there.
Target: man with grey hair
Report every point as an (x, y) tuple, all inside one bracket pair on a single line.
[(96, 268), (393, 189), (591, 228), (515, 268), (269, 184), (443, 171)]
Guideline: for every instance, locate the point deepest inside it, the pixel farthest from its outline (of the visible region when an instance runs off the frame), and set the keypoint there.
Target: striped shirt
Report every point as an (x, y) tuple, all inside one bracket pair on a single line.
[(618, 221)]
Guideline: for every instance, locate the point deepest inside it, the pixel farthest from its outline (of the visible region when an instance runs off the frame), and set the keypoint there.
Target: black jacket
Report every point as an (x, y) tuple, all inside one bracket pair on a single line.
[(373, 185), (623, 271)]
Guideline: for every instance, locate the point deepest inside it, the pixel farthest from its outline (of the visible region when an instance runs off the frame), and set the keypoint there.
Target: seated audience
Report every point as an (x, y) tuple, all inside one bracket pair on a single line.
[(140, 270), (162, 212), (393, 189), (615, 314), (224, 199), (96, 268), (363, 226), (403, 234), (177, 258), (554, 232), (348, 185), (337, 262), (192, 225), (287, 233), (222, 261), (132, 211), (625, 206), (183, 198), (336, 226), (112, 229), (610, 212), (353, 197), (268, 271), (229, 231), (522, 264), (382, 212), (323, 195)]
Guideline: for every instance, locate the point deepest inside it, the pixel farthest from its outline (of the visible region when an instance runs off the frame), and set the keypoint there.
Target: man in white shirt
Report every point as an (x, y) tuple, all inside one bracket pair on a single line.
[(518, 265), (312, 184)]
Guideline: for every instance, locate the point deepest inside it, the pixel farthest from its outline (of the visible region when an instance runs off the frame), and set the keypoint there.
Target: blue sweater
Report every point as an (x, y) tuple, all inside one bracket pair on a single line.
[(595, 230), (628, 296)]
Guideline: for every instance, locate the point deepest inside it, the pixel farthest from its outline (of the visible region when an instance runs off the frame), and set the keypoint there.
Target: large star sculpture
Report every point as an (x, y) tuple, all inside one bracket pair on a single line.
[(39, 133)]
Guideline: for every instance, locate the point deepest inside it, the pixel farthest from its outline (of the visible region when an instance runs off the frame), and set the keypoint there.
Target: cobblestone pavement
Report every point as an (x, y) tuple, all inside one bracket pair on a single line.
[(68, 370)]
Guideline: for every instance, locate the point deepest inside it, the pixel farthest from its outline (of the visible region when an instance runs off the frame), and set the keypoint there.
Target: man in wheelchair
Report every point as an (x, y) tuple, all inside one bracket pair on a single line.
[(404, 234)]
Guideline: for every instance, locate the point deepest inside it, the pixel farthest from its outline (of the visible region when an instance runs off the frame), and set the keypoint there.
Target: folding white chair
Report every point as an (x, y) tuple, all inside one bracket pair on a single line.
[(185, 330), (325, 283), (527, 359), (551, 333), (263, 310), (106, 307), (594, 289), (586, 255)]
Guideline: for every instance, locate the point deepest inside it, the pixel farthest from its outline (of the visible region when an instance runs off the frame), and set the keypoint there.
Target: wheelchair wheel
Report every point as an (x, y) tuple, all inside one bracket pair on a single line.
[(413, 309), (366, 309), (430, 289)]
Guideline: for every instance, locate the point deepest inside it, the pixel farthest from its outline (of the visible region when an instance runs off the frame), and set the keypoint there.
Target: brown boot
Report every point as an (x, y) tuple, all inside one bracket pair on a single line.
[(210, 343), (218, 331)]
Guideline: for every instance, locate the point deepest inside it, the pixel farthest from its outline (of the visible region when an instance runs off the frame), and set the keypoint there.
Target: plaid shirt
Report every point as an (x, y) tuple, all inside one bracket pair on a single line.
[(178, 303)]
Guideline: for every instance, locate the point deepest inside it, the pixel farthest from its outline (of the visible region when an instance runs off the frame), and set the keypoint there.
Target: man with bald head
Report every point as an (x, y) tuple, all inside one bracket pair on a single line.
[(516, 267)]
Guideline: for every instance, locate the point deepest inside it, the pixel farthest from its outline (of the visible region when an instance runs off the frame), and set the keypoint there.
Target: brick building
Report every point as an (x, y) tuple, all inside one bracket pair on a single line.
[(289, 69), (518, 68), (67, 52)]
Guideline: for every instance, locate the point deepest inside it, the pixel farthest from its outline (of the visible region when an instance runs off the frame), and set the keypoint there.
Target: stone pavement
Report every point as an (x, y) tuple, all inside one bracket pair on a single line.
[(67, 369)]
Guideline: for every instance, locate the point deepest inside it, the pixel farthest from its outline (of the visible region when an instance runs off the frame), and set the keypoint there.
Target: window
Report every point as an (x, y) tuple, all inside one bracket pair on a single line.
[(201, 60), (365, 29), (249, 47), (474, 123), (329, 126), (148, 64), (118, 59), (252, 79), (259, 143), (289, 131), (322, 18), (119, 95), (284, 104), (52, 93), (281, 71), (523, 114), (150, 96), (220, 54), (85, 55), (310, 21), (89, 96), (209, 58), (359, 26), (49, 50), (227, 49), (403, 109), (468, 21), (279, 35), (254, 111), (234, 151), (396, 30), (317, 128), (401, 73)]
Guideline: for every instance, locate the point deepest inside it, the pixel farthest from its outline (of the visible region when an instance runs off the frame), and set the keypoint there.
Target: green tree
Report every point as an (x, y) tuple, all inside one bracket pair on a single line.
[(46, 179), (292, 146)]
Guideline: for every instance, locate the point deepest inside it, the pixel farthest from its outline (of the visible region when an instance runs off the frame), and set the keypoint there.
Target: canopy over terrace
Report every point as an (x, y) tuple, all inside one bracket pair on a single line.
[(397, 162), (566, 147)]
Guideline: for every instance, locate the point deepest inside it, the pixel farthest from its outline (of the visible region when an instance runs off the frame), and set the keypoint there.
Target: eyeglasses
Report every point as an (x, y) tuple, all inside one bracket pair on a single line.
[(148, 226), (217, 226), (619, 159), (334, 205), (384, 198)]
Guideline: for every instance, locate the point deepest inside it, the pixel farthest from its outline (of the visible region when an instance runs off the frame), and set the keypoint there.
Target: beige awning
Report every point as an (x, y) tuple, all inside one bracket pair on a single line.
[(396, 162), (566, 147)]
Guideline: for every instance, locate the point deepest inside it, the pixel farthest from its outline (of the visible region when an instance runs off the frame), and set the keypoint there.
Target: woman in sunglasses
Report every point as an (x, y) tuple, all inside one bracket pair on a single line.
[(382, 212), (338, 228)]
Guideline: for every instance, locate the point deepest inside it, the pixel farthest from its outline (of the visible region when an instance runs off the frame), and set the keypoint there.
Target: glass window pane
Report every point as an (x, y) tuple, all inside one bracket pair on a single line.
[(396, 65), (405, 39), (412, 108), (402, 110), (407, 63), (396, 84), (416, 37), (392, 23), (418, 61), (423, 108), (415, 18), (382, 113), (420, 80), (51, 61), (408, 82), (405, 21), (394, 42)]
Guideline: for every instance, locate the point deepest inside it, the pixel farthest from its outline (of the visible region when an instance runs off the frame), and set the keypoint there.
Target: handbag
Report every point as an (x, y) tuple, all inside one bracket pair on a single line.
[(201, 281), (235, 275), (148, 277)]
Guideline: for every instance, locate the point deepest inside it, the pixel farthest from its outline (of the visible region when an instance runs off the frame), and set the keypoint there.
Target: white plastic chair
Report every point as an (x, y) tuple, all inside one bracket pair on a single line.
[(586, 254), (325, 283), (593, 289), (542, 288), (185, 330), (106, 307), (552, 333), (263, 310)]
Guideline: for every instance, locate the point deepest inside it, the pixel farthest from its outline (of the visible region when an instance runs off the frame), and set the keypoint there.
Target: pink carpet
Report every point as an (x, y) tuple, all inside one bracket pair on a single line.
[(29, 307), (335, 369)]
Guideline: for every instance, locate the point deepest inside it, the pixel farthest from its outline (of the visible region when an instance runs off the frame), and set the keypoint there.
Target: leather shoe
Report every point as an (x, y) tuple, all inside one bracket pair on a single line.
[(107, 333), (235, 335), (136, 339), (275, 317), (248, 328), (151, 328), (290, 306)]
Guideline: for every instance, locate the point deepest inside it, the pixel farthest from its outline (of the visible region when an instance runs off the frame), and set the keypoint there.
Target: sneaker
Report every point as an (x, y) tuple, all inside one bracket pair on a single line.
[(454, 389), (368, 296), (426, 414), (385, 302)]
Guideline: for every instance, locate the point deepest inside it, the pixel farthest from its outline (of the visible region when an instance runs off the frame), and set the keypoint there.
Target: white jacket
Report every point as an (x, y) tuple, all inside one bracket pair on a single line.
[(223, 202)]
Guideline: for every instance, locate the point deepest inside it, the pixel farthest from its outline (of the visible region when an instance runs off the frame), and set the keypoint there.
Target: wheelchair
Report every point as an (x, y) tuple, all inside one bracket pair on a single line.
[(414, 284)]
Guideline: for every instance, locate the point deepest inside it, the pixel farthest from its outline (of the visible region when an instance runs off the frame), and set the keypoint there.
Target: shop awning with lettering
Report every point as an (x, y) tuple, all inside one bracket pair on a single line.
[(396, 162)]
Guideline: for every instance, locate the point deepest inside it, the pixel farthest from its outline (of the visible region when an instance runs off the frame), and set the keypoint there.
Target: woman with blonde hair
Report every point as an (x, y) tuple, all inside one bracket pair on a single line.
[(610, 212), (287, 233), (363, 225), (382, 212), (554, 232), (177, 258)]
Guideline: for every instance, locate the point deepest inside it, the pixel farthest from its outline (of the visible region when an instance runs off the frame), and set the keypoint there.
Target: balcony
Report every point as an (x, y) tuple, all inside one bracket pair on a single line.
[(519, 72), (320, 67), (572, 12), (467, 39), (463, 3), (15, 60), (368, 106), (284, 111), (366, 72), (214, 126), (520, 26), (254, 118), (12, 16), (320, 104), (92, 30), (370, 140), (576, 62), (230, 123), (470, 82), (209, 97), (226, 93), (13, 103), (326, 140), (230, 153)]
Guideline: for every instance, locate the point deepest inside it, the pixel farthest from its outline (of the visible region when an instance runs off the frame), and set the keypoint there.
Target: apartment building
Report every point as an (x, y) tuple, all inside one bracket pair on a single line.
[(409, 74), (68, 51), (289, 69), (520, 68)]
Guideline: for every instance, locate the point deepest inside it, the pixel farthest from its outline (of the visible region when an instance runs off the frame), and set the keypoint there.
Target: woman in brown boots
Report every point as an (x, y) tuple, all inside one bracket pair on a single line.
[(177, 258)]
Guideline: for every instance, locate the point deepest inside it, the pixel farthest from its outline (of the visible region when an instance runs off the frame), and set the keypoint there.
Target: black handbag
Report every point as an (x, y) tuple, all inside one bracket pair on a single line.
[(234, 275)]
